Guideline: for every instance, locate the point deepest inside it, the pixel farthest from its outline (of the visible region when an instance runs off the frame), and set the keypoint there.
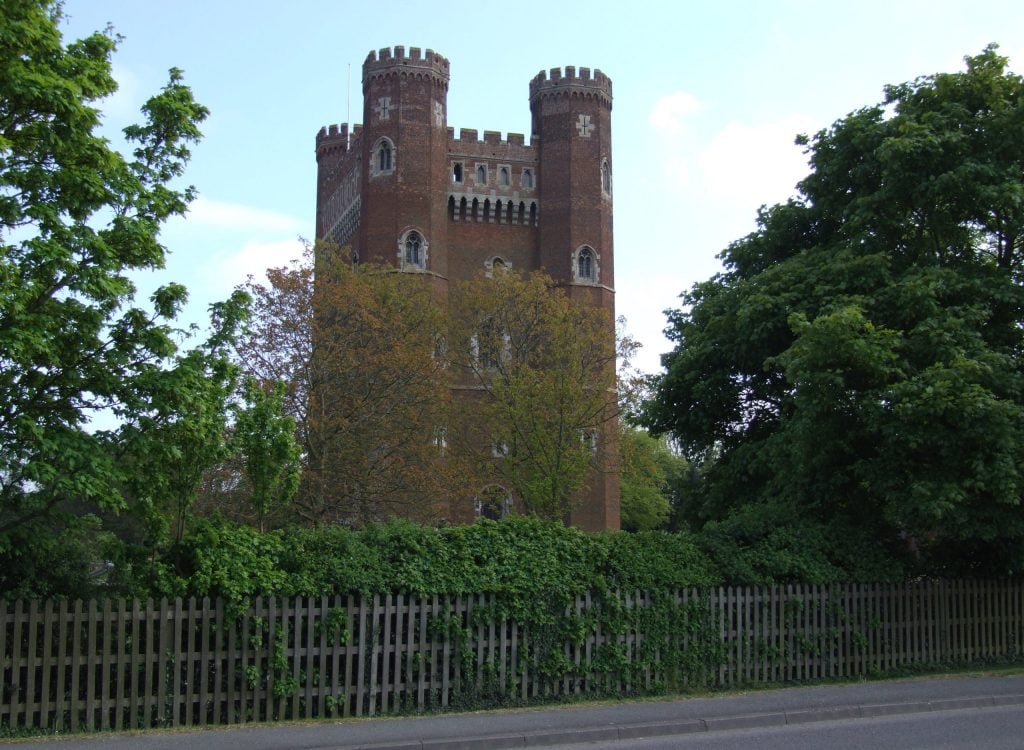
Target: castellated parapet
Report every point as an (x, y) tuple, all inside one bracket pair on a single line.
[(406, 190), (415, 63), (571, 83), (492, 146)]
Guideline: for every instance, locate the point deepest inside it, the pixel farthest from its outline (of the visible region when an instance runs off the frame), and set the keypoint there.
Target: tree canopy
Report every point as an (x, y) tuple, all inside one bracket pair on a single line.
[(357, 346), (93, 387), (543, 370), (856, 370), (645, 463)]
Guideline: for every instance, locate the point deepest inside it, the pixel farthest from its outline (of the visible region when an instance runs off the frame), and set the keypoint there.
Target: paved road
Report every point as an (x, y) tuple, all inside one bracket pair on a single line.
[(859, 706), (965, 729)]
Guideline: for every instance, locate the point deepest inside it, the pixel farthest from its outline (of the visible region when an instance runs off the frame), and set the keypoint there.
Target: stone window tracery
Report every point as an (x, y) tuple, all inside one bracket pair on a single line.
[(585, 267), (412, 251), (383, 161)]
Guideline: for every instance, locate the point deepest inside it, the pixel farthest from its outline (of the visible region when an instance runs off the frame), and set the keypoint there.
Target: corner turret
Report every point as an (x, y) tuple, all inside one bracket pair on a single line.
[(416, 63), (554, 83), (405, 149), (571, 112)]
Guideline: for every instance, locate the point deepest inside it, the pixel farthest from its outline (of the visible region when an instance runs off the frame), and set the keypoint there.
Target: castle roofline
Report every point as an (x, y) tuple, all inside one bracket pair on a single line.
[(397, 59), (572, 81)]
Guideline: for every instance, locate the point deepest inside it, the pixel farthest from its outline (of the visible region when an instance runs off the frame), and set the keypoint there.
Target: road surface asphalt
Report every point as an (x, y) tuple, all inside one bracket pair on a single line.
[(491, 730)]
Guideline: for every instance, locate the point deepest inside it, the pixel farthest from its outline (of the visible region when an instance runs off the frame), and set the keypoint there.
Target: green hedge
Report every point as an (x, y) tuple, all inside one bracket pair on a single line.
[(518, 556)]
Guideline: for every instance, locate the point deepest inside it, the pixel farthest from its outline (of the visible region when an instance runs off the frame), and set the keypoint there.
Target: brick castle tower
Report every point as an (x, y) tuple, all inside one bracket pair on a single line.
[(403, 190)]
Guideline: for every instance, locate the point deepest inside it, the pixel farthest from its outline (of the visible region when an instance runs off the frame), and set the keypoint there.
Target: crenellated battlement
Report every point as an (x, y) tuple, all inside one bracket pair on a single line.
[(468, 136), (338, 140), (389, 61), (332, 132), (580, 81)]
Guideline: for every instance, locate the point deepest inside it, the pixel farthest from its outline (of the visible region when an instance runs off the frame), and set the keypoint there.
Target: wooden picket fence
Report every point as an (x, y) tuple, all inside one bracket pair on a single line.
[(73, 666)]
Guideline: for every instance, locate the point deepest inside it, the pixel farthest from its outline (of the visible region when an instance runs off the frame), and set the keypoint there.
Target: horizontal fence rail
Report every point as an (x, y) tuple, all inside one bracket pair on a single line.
[(72, 666)]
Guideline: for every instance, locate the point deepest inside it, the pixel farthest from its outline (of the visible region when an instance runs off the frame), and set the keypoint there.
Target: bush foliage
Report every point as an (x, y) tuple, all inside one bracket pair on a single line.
[(520, 556), (522, 559)]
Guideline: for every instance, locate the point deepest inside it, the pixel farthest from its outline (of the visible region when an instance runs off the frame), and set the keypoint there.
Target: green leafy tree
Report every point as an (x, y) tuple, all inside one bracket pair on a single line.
[(76, 220), (857, 366), (539, 371), (265, 439), (643, 480), (168, 446)]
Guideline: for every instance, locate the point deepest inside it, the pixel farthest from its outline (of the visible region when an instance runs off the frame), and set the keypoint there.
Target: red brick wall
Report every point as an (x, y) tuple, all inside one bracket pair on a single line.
[(566, 167)]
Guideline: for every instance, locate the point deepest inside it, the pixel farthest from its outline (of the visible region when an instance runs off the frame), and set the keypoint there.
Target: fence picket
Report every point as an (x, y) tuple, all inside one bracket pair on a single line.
[(388, 653), (223, 667), (411, 611), (62, 660), (360, 656), (321, 637), (120, 664), (293, 651), (160, 664)]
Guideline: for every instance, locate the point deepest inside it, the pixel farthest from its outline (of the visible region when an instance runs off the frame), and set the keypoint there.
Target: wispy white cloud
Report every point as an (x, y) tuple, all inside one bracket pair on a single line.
[(670, 113), (753, 164), (122, 107), (743, 165), (670, 119), (253, 259), (242, 218)]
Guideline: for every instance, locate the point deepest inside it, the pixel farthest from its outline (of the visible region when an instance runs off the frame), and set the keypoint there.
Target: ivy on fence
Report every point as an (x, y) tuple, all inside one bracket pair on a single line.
[(72, 666)]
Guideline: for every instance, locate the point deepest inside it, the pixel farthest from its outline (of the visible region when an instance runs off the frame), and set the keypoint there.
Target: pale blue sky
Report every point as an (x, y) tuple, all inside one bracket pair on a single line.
[(708, 99)]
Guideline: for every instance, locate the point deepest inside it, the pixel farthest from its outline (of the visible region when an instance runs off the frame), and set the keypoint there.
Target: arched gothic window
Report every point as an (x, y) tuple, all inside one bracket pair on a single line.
[(503, 178), (481, 174), (383, 161), (494, 502), (527, 179), (497, 263), (412, 249), (606, 178), (585, 265)]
